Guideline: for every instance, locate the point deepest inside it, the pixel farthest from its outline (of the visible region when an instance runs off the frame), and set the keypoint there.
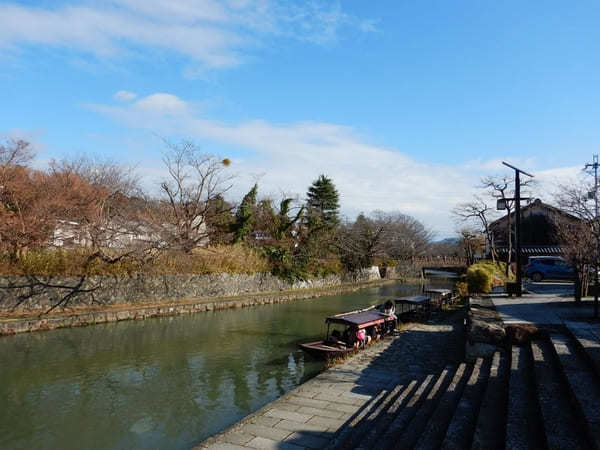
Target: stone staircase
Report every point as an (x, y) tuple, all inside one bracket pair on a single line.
[(544, 394)]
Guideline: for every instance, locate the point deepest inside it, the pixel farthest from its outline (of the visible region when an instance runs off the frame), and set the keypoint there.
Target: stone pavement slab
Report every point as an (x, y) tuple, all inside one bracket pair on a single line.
[(540, 309)]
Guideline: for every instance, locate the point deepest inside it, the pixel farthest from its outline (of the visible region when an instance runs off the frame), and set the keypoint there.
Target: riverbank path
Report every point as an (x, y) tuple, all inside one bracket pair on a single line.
[(310, 415)]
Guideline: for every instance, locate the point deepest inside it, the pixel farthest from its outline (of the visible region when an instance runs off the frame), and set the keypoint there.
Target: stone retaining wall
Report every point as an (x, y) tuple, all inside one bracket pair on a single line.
[(115, 313), (485, 330), (137, 288), (140, 296)]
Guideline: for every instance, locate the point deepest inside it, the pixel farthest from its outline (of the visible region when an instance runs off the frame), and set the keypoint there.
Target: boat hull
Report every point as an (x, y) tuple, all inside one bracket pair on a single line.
[(321, 350)]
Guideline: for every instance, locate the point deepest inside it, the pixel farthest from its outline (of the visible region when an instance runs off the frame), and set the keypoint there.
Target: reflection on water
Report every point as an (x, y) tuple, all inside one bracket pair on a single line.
[(159, 383)]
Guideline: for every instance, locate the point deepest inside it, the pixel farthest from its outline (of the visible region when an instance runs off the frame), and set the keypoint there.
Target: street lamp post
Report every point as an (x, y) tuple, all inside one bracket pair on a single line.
[(594, 165), (518, 172)]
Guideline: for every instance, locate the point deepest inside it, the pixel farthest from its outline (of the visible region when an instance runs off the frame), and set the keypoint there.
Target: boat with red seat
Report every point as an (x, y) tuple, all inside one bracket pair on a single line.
[(337, 343)]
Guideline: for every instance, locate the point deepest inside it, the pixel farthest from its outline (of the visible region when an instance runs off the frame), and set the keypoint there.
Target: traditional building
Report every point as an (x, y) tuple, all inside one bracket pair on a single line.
[(538, 230)]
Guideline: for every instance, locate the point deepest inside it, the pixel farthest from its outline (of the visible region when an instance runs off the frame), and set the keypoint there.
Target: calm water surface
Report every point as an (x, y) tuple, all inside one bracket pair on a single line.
[(159, 383)]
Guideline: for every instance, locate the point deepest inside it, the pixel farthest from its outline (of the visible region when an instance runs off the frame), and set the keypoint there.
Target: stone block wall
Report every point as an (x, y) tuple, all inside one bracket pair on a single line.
[(485, 330), (139, 288)]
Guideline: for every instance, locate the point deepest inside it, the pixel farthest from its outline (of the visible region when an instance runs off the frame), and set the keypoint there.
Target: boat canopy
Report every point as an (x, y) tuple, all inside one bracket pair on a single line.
[(360, 319), (438, 291), (413, 300)]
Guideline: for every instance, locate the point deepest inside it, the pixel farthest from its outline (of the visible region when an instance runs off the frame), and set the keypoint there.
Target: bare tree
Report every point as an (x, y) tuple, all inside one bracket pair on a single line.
[(114, 215), (579, 238), (502, 188), (472, 242), (91, 199), (445, 248), (393, 235), (26, 200), (14, 153), (15, 156), (195, 181), (405, 237), (477, 212), (361, 241)]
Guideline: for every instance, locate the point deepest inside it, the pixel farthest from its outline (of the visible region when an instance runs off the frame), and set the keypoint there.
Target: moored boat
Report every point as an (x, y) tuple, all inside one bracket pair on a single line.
[(372, 322)]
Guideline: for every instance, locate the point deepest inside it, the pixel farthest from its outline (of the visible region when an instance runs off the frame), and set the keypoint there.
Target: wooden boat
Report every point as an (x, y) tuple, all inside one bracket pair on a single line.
[(414, 305), (440, 297), (323, 349), (332, 347)]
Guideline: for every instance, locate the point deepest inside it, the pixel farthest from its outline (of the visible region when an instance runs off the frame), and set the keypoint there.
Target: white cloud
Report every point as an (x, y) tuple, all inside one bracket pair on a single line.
[(124, 96), (291, 156), (549, 181), (495, 164), (212, 33), (157, 104)]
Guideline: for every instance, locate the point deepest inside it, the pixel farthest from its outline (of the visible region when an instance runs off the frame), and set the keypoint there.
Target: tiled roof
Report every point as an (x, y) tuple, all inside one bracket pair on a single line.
[(535, 249)]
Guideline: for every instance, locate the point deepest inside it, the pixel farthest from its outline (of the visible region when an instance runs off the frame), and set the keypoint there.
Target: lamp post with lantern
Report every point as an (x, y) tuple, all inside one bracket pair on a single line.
[(501, 204)]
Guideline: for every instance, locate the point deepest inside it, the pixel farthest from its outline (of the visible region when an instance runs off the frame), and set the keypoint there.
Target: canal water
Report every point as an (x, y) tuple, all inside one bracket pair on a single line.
[(160, 383)]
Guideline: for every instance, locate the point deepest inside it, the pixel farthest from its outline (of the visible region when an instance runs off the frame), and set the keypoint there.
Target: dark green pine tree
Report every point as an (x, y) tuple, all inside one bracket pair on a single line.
[(323, 200), (245, 215)]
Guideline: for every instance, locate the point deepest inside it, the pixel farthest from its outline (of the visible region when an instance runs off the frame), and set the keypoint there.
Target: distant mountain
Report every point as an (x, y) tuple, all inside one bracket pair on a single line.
[(451, 240)]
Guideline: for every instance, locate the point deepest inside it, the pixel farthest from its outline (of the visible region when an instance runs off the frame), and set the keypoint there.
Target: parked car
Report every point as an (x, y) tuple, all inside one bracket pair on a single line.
[(548, 267)]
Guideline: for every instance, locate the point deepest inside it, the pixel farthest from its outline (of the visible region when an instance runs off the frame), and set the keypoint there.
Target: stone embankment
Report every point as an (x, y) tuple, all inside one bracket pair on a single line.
[(485, 330), (180, 295), (143, 288)]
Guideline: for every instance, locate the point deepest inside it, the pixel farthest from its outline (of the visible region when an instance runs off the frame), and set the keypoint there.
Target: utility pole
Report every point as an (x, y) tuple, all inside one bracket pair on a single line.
[(517, 199), (594, 165)]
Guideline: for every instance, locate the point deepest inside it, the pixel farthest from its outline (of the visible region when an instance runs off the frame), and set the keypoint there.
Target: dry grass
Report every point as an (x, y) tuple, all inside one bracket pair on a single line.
[(218, 259), (236, 258)]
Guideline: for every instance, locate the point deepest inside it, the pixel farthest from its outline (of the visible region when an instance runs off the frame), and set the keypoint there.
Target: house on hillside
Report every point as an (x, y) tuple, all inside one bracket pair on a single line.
[(70, 234), (538, 230)]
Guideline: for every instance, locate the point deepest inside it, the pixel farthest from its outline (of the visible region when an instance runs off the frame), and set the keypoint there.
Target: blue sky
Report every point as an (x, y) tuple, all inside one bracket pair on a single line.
[(404, 104)]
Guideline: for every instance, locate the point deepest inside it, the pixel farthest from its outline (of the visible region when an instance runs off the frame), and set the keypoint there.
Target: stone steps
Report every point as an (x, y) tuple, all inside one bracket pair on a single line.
[(583, 383), (462, 426), (372, 421), (345, 433), (491, 422), (523, 425), (560, 425), (589, 344), (404, 415), (374, 437), (413, 430), (435, 431), (545, 394)]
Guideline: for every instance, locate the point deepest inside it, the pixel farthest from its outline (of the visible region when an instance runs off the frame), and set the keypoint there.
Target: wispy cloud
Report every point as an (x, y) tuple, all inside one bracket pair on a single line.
[(124, 96), (291, 156), (495, 164), (288, 157), (212, 33)]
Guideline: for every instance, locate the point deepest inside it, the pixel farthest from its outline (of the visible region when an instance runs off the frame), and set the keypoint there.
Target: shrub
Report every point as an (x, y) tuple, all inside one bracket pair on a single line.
[(479, 279), (462, 289), (485, 274)]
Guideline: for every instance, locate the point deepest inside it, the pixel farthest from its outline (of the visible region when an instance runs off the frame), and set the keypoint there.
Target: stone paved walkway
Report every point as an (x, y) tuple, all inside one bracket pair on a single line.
[(308, 416), (541, 309)]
